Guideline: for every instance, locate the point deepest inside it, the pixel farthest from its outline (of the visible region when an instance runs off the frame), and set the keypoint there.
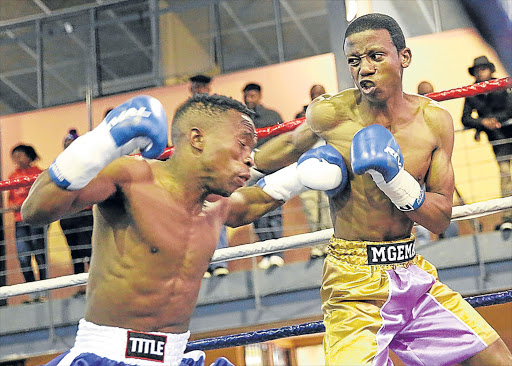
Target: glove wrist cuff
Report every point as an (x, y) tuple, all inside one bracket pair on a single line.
[(404, 191), (76, 166), (283, 184)]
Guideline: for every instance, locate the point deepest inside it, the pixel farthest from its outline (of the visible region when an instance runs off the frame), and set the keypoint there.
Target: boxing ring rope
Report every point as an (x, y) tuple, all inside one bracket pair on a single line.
[(467, 211), (254, 249)]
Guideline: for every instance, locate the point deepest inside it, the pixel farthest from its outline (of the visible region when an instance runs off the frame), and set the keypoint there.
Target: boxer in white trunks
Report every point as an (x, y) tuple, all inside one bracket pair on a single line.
[(154, 233)]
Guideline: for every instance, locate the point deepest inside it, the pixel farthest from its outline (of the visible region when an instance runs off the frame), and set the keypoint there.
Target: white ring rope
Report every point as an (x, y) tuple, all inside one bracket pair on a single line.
[(259, 248)]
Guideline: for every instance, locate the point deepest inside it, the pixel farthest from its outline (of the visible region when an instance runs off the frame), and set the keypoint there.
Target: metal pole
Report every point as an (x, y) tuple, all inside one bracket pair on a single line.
[(219, 57), (91, 66), (481, 263), (437, 16), (279, 30), (40, 70), (257, 293), (155, 41), (51, 330)]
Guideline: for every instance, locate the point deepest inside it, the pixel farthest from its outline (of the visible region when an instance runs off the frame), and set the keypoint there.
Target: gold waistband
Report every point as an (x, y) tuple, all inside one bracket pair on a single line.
[(356, 252)]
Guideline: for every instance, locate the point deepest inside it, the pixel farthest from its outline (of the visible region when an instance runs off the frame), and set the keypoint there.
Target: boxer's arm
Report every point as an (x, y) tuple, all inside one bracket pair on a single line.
[(321, 168), (48, 202), (88, 166), (249, 203), (285, 149), (436, 211)]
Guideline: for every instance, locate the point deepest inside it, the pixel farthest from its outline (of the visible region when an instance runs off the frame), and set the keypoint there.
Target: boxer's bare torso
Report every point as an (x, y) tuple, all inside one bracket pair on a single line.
[(150, 251), (423, 131)]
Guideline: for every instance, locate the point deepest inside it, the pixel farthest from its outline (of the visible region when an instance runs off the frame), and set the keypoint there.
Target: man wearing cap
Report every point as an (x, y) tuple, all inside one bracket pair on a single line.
[(492, 114)]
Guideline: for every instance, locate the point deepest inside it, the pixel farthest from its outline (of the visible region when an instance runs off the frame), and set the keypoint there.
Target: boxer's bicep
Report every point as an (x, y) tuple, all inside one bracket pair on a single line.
[(284, 149), (247, 204), (47, 202)]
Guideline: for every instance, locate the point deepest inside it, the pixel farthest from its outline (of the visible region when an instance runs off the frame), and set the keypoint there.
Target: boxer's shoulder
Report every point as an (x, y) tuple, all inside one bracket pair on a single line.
[(329, 110), (131, 169)]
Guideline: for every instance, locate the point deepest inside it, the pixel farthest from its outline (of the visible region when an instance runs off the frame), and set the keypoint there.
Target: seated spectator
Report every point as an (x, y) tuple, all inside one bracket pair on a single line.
[(422, 234), (269, 226)]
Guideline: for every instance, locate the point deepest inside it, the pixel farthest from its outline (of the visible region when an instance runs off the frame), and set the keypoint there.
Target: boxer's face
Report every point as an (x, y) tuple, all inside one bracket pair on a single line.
[(232, 159), (375, 64)]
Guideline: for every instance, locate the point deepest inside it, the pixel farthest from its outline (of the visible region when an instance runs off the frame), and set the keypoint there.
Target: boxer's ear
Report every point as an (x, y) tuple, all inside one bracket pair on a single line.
[(405, 57), (196, 138)]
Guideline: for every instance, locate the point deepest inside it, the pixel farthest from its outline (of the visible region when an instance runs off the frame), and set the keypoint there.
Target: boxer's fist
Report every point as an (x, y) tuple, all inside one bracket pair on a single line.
[(322, 169), (139, 123), (374, 150)]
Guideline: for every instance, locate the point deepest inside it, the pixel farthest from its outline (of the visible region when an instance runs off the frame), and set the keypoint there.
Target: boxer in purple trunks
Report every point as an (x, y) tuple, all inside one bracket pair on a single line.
[(377, 293)]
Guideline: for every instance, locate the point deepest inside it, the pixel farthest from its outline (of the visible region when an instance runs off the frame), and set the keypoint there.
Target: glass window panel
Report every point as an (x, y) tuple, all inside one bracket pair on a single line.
[(124, 46), (54, 5), (415, 20), (248, 33), (447, 9), (65, 52), (18, 68), (305, 28), (185, 34)]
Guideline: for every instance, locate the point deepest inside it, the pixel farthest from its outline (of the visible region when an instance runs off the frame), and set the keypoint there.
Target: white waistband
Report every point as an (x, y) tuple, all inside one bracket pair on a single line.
[(113, 343)]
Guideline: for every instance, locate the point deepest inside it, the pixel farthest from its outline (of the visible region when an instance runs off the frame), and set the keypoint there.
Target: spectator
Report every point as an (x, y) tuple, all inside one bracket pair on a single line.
[(492, 114), (269, 226), (315, 91), (421, 233), (425, 87), (201, 84), (30, 239), (316, 203), (77, 229)]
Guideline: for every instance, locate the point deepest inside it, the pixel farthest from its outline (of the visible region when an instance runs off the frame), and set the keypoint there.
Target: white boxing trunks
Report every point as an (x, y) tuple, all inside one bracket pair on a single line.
[(112, 346)]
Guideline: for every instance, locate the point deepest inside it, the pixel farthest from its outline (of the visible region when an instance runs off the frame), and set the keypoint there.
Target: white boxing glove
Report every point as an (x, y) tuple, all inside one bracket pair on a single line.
[(321, 168), (139, 123)]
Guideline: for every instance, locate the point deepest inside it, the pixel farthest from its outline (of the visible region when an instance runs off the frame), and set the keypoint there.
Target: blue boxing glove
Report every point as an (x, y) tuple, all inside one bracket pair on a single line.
[(321, 168), (375, 151), (139, 123)]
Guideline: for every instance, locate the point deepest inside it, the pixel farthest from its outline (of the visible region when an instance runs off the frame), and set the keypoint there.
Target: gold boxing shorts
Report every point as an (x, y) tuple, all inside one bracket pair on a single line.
[(395, 302)]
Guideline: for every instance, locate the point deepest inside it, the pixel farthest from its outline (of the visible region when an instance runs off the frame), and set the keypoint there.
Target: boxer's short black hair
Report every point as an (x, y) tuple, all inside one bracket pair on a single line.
[(376, 21), (208, 104)]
